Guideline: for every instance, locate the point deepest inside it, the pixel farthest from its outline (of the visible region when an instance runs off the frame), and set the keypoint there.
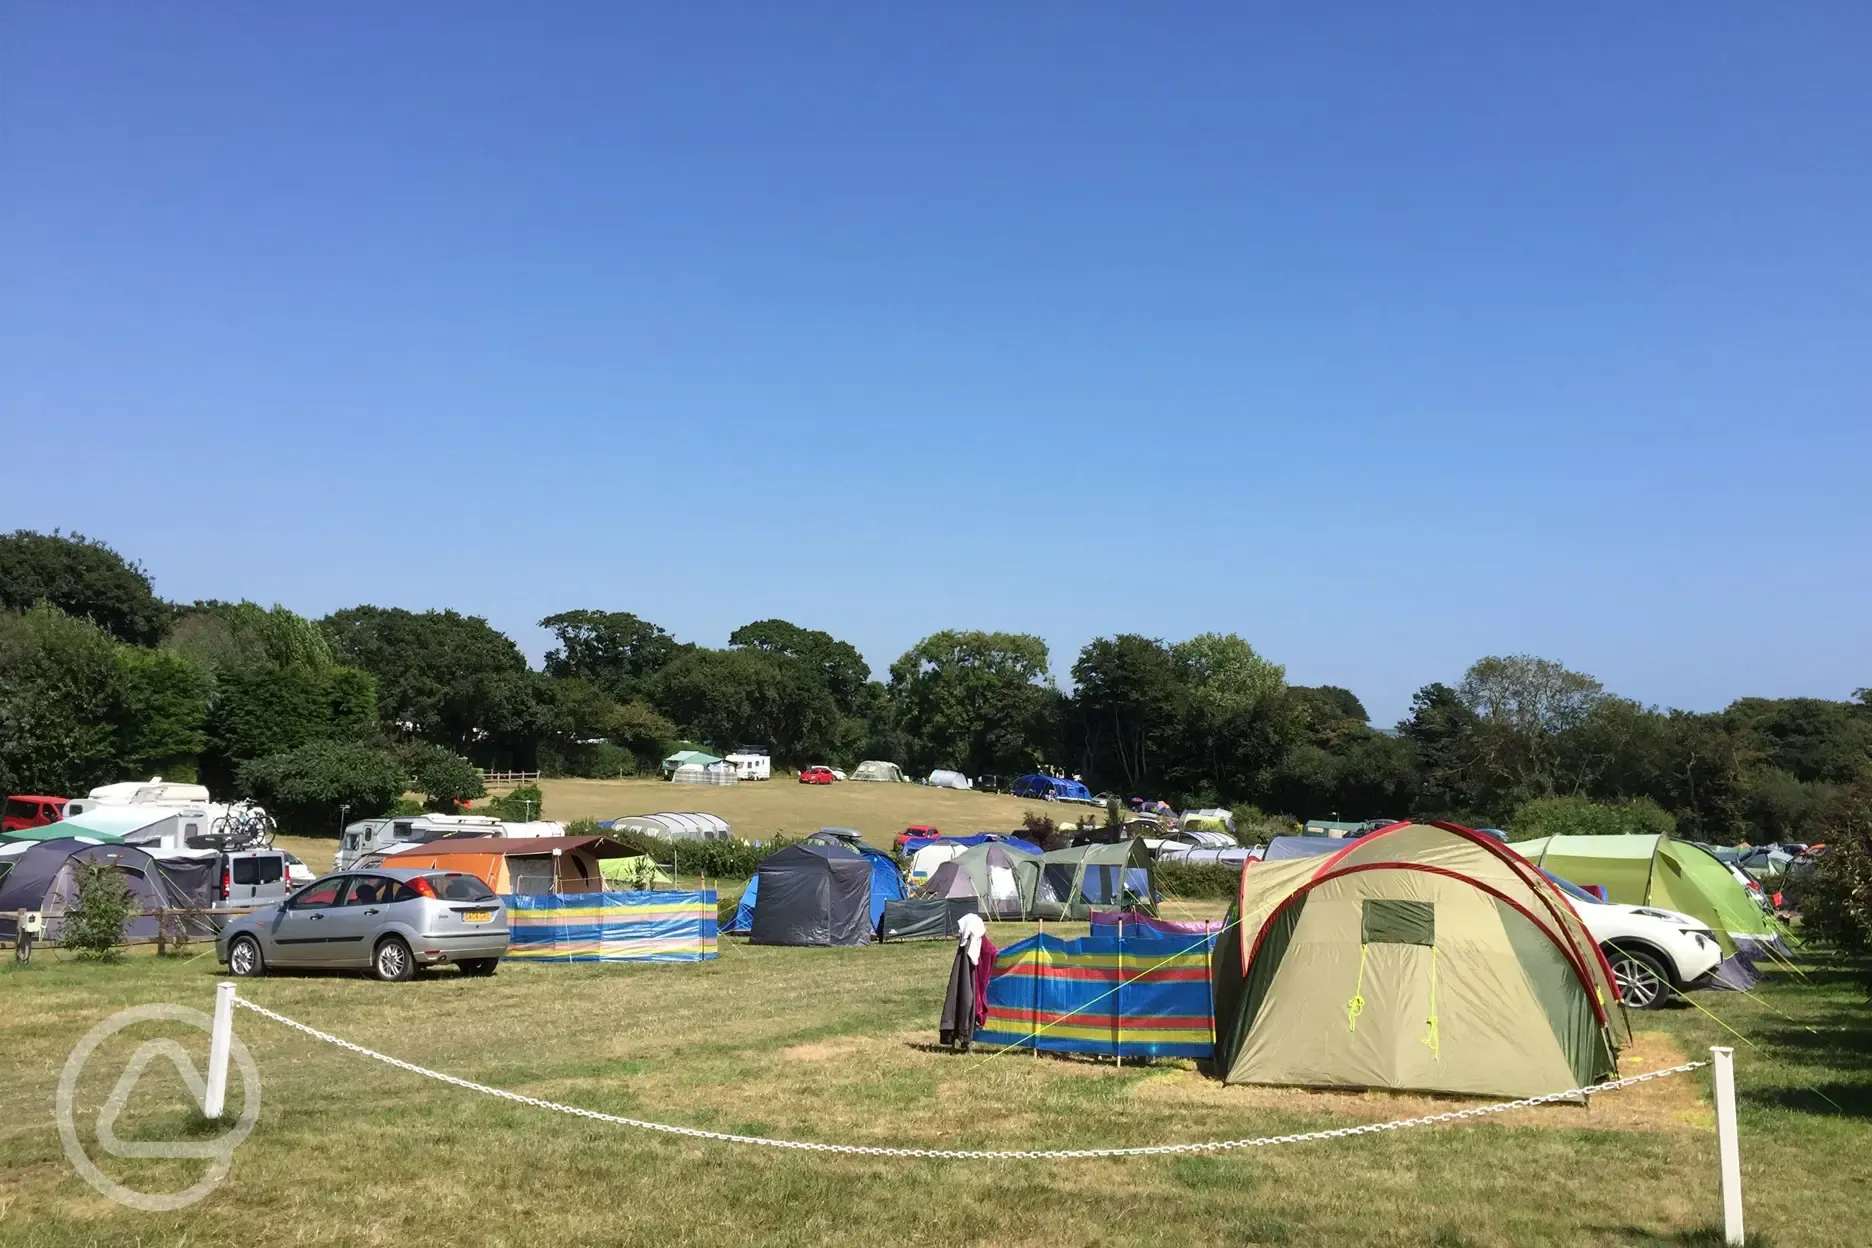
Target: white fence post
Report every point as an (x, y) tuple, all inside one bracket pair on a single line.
[(1728, 1151), (214, 1096)]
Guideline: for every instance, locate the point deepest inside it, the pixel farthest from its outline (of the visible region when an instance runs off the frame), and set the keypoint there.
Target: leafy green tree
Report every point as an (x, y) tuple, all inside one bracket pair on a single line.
[(1576, 816), (837, 664), (308, 788), (237, 635), (975, 701), (727, 697), (58, 695), (160, 709), (1811, 739), (84, 579), (1524, 708), (1442, 730), (614, 651), (445, 779), (448, 679), (270, 709), (1128, 710), (99, 918)]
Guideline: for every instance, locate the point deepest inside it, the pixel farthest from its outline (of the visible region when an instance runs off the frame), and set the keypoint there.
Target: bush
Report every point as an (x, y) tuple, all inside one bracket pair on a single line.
[(1038, 829), (95, 924), (731, 859), (1197, 879), (1575, 816), (522, 805), (1836, 900), (445, 779), (1253, 826), (306, 790)]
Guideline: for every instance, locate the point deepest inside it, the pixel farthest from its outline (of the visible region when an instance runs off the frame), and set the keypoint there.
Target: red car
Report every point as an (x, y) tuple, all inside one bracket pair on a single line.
[(816, 775), (26, 811), (914, 830)]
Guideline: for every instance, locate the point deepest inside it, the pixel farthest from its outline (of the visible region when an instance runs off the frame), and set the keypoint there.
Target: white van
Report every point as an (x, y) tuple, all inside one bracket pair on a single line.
[(368, 837)]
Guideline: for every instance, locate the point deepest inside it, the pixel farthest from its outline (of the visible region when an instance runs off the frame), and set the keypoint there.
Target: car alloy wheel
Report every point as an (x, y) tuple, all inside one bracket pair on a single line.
[(244, 957), (393, 961), (1641, 982)]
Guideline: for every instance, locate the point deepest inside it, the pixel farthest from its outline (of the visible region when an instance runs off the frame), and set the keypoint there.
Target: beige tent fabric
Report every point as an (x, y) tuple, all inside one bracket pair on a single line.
[(1492, 1036), (1266, 885)]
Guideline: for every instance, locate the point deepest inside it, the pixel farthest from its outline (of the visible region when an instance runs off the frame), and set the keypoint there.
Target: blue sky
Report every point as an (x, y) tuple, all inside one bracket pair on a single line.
[(1387, 338)]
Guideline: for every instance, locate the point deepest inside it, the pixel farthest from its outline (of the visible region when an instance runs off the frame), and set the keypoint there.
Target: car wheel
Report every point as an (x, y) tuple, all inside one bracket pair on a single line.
[(392, 962), (481, 968), (1643, 983), (245, 959)]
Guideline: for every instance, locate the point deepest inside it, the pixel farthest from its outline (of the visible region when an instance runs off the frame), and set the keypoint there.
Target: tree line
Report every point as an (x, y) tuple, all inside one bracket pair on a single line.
[(101, 680)]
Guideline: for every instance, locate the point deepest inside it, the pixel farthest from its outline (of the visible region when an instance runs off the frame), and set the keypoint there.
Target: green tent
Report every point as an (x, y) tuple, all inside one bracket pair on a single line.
[(1072, 883), (1422, 957), (637, 871), (65, 827), (1641, 870), (682, 758), (987, 874)]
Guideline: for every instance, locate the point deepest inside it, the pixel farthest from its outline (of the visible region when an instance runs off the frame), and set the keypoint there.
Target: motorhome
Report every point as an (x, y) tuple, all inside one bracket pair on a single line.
[(152, 792), (374, 837)]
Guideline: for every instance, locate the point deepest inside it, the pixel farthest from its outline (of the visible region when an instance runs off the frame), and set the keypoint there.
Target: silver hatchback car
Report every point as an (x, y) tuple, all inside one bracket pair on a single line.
[(389, 922)]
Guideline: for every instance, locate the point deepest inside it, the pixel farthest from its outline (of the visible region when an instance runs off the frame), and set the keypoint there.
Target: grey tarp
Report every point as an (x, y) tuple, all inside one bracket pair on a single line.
[(932, 918), (44, 878), (813, 895)]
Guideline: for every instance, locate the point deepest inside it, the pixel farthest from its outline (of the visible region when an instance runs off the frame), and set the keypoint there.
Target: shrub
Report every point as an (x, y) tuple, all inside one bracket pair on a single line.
[(1039, 829), (521, 805), (1197, 879), (1253, 826), (731, 859), (445, 779), (1576, 816), (95, 924), (1836, 900)]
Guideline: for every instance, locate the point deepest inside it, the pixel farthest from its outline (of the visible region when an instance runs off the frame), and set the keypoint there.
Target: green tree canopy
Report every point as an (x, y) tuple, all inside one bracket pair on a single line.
[(974, 701), (58, 694), (308, 788), (612, 650), (82, 578)]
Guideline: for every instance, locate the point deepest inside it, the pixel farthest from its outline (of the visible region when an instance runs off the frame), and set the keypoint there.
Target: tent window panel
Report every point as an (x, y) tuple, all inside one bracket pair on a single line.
[(1056, 882), (531, 874), (1399, 922)]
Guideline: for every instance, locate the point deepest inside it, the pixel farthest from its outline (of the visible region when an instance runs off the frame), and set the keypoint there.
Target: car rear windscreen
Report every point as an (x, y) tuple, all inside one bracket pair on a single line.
[(457, 887), (260, 869)]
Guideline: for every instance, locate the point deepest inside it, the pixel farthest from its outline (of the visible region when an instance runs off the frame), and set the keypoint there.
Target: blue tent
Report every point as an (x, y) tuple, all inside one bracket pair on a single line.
[(886, 885), (979, 838), (1057, 787)]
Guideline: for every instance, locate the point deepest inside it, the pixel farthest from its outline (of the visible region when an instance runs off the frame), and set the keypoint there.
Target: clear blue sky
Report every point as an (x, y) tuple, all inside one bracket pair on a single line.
[(1386, 336)]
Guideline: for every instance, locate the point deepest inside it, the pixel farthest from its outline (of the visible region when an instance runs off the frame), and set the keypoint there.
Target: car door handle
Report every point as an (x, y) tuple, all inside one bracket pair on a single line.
[(315, 917), (372, 910)]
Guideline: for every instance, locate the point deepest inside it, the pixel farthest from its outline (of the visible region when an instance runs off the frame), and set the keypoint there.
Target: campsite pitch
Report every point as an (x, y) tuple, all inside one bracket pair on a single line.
[(838, 1045)]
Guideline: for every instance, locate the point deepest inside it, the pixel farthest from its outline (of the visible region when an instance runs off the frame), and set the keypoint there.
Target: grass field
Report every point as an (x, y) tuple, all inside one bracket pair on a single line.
[(838, 1045), (762, 811)]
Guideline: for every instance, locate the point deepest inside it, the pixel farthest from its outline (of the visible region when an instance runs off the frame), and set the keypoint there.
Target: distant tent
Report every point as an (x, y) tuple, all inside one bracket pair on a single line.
[(881, 772), (44, 877), (1423, 957), (984, 874), (1284, 847), (1214, 819), (61, 830), (519, 865), (637, 871), (1072, 883), (674, 826), (919, 918), (1651, 870), (949, 780), (914, 844), (923, 862), (813, 895), (717, 772), (1234, 856), (688, 758), (1051, 788)]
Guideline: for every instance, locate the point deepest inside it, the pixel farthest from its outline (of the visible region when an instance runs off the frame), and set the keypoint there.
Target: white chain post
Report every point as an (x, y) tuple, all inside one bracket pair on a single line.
[(1728, 1148), (214, 1096), (956, 1154)]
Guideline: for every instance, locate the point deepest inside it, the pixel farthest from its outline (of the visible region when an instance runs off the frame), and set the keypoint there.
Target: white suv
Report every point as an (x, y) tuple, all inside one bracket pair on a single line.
[(1653, 953)]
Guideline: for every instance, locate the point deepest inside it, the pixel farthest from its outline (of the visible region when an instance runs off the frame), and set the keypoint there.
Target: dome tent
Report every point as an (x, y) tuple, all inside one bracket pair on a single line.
[(44, 877), (879, 772), (1423, 957), (984, 874)]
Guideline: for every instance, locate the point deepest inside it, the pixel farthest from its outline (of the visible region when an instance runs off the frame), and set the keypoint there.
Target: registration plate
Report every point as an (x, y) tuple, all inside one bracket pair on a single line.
[(476, 916)]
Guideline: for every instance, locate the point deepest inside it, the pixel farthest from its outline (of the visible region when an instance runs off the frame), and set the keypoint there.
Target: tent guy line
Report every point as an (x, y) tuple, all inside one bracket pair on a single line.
[(957, 1154)]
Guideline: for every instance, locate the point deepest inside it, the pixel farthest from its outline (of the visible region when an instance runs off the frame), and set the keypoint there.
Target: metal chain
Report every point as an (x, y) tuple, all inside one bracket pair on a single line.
[(958, 1154)]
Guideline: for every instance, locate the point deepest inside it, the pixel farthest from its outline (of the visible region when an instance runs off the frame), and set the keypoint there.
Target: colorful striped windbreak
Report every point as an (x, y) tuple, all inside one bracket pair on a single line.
[(611, 927), (1143, 996)]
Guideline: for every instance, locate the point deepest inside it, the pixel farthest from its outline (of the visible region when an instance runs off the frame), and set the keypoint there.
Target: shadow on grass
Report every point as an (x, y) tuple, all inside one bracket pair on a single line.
[(1710, 1236)]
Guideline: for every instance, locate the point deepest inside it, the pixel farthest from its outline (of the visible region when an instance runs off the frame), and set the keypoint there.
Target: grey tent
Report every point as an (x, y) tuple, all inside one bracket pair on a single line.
[(1284, 847), (985, 874), (813, 894), (45, 879), (933, 918)]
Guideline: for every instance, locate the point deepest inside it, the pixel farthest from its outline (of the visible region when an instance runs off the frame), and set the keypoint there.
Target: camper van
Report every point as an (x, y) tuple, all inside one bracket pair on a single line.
[(152, 792), (373, 837)]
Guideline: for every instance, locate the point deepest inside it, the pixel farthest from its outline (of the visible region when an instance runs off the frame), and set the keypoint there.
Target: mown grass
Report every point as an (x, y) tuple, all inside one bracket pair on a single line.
[(839, 1045)]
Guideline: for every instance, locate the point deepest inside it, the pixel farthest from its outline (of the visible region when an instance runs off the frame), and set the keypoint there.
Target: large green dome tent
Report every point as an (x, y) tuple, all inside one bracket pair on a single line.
[(1424, 957)]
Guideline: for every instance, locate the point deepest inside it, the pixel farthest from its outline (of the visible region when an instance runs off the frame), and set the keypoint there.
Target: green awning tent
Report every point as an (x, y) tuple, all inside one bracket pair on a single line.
[(1640, 870), (680, 758), (104, 825), (1424, 958), (984, 874), (637, 871), (1072, 883)]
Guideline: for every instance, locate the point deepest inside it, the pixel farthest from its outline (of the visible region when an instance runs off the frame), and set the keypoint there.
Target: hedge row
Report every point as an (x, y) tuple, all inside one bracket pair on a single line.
[(730, 859), (1197, 879)]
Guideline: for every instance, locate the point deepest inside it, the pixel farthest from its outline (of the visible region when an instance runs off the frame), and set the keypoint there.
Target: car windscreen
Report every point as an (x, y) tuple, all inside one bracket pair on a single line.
[(454, 886), (1571, 889)]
